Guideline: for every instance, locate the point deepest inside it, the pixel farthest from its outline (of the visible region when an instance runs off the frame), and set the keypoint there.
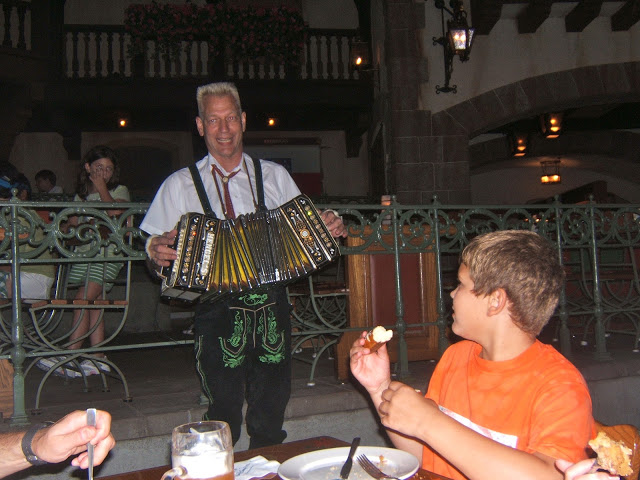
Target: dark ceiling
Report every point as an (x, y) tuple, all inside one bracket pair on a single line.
[(486, 13)]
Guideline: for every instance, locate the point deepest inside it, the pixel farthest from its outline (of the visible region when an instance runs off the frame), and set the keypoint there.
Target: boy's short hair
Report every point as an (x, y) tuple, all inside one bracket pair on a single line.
[(47, 175), (218, 89), (522, 263)]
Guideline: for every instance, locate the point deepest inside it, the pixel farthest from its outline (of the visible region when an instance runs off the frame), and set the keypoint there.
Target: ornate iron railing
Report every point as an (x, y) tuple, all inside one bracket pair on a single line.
[(598, 244)]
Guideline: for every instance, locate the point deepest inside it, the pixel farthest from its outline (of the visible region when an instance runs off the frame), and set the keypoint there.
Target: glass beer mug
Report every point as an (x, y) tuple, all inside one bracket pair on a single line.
[(201, 450)]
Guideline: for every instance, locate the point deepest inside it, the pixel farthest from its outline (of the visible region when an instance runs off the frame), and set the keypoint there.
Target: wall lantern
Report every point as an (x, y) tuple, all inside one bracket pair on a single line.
[(550, 172), (360, 56), (272, 122), (551, 124), (519, 143), (456, 41)]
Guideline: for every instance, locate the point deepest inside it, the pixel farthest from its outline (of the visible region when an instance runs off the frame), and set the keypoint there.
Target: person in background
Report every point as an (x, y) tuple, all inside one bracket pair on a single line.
[(24, 187), (242, 346), (98, 181), (500, 393), (45, 443), (36, 280), (46, 182)]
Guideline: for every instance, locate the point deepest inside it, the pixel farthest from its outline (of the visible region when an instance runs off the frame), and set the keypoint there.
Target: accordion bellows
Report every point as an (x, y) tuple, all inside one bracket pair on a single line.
[(218, 257)]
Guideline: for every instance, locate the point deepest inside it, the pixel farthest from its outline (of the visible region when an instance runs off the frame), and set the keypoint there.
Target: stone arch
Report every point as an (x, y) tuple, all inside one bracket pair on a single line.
[(454, 127), (530, 96)]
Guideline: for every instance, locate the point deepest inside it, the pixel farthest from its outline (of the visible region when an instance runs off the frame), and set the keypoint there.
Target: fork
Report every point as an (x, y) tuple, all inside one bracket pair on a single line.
[(372, 470)]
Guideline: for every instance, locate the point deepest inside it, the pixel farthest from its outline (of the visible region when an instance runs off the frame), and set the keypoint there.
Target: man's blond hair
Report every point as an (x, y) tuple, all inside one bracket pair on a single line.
[(522, 263), (218, 89)]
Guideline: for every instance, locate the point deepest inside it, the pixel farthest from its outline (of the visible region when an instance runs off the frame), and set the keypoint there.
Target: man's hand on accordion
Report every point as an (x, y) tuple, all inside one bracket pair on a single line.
[(334, 223), (158, 249)]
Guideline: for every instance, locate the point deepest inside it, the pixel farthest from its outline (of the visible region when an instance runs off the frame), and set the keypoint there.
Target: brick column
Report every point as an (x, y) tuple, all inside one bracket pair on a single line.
[(425, 159)]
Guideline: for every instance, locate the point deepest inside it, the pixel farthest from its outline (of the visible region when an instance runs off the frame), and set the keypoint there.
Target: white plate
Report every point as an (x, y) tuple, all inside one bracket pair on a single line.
[(326, 464)]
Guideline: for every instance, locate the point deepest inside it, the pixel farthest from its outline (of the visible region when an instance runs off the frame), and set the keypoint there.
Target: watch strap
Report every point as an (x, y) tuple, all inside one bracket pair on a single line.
[(31, 457)]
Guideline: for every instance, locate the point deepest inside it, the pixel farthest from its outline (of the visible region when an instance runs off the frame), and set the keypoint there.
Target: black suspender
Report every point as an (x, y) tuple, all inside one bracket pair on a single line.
[(259, 186), (202, 195)]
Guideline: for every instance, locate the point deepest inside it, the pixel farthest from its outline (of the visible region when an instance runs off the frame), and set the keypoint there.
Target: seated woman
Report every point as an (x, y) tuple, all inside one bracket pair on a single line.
[(97, 182)]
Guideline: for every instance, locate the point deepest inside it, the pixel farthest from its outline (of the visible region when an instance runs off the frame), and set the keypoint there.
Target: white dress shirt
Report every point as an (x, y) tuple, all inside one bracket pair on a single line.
[(177, 195)]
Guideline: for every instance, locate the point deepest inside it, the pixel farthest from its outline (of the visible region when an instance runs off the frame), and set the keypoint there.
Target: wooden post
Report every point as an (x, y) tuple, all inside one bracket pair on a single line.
[(6, 388)]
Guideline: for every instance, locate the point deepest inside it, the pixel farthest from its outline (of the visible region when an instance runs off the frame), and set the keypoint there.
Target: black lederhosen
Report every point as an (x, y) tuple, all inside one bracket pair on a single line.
[(242, 350)]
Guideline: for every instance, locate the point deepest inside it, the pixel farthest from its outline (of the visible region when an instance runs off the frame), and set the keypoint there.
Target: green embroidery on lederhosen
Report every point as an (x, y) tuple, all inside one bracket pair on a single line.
[(272, 337), (253, 299), (233, 348)]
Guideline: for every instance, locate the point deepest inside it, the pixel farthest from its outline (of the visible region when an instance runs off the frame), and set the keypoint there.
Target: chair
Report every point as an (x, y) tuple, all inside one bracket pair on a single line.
[(629, 435)]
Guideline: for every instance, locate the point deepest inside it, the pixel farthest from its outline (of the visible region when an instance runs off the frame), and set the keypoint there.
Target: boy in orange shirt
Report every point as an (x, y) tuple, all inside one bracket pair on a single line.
[(500, 404)]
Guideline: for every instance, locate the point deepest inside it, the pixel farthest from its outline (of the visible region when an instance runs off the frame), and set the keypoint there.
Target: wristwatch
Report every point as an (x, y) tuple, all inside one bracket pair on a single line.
[(31, 457)]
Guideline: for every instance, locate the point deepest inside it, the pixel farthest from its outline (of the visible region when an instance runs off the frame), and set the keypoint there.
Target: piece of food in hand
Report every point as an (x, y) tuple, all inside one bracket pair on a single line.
[(613, 456), (377, 337)]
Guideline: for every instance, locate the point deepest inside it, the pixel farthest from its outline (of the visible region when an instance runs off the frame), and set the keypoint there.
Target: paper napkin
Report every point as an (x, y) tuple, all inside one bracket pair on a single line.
[(256, 467)]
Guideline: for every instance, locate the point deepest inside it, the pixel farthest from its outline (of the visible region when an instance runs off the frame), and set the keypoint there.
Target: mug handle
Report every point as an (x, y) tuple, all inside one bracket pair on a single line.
[(174, 472)]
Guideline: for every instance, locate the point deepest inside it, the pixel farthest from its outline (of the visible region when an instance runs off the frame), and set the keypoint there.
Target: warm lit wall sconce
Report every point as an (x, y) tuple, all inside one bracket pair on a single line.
[(360, 56), (550, 172), (123, 122), (457, 41), (272, 122), (519, 143), (551, 124)]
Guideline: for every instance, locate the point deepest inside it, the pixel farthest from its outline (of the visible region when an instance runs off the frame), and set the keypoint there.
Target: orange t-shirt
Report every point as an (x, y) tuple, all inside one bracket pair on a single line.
[(536, 402)]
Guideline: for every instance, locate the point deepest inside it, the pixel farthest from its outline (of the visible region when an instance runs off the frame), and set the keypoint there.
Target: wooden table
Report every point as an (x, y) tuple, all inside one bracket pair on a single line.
[(280, 453)]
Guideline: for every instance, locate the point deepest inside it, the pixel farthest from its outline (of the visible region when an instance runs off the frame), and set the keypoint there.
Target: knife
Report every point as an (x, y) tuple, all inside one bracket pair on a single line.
[(91, 421), (346, 468)]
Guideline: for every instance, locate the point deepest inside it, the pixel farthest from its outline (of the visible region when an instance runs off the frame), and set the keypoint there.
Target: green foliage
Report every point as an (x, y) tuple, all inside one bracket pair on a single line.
[(247, 33)]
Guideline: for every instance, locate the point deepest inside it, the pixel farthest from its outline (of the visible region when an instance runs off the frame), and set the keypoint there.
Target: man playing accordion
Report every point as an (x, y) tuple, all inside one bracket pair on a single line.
[(242, 344)]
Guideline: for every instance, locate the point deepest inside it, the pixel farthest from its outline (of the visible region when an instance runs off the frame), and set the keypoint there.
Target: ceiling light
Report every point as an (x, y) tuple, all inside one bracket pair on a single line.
[(551, 124), (550, 172), (519, 143)]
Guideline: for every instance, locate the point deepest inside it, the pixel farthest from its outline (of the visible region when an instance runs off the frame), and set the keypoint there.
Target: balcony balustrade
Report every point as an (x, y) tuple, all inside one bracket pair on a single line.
[(100, 51)]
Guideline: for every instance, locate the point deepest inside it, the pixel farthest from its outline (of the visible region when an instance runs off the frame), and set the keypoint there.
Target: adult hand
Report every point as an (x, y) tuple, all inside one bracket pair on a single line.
[(372, 370), (70, 435), (582, 470), (403, 408), (334, 223), (158, 249)]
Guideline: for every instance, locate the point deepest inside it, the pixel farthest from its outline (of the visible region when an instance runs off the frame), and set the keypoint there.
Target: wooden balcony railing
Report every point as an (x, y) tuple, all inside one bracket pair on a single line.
[(100, 51), (16, 20)]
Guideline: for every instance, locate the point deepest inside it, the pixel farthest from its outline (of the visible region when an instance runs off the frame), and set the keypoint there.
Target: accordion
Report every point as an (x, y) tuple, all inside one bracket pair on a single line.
[(217, 258)]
